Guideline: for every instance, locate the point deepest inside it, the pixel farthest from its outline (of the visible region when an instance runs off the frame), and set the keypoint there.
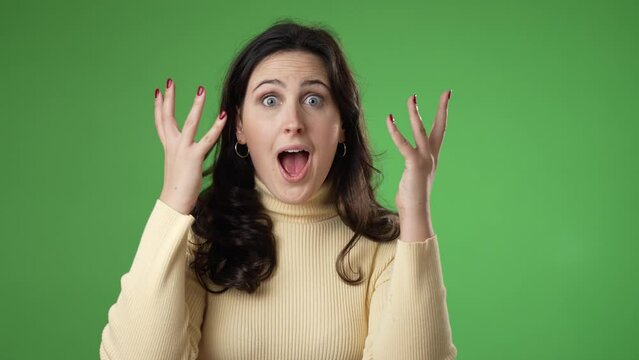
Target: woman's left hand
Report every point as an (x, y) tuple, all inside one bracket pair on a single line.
[(416, 183)]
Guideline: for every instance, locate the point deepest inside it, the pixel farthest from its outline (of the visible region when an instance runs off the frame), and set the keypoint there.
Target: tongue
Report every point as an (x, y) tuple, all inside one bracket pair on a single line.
[(294, 163)]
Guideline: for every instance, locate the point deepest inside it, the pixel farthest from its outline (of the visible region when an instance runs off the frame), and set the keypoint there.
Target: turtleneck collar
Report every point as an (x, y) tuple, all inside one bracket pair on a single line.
[(317, 208)]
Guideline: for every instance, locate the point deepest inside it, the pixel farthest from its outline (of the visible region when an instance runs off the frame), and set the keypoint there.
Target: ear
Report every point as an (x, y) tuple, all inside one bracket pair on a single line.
[(342, 135), (239, 128)]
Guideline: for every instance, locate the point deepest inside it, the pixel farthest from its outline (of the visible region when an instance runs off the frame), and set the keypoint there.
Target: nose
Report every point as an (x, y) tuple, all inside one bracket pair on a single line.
[(293, 122)]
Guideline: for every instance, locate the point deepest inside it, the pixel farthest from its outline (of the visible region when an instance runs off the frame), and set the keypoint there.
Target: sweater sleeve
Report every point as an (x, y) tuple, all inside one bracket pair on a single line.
[(408, 315), (159, 311)]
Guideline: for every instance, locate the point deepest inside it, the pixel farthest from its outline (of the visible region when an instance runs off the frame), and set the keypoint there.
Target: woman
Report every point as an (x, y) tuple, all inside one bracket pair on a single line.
[(287, 254)]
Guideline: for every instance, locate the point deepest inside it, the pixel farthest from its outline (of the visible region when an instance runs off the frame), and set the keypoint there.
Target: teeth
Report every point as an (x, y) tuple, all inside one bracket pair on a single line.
[(293, 151)]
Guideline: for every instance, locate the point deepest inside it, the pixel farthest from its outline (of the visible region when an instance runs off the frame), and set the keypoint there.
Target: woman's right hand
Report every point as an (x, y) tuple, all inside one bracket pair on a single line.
[(183, 158)]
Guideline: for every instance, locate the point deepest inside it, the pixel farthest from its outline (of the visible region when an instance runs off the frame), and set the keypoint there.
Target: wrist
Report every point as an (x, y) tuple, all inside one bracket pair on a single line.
[(176, 205), (418, 211), (416, 226)]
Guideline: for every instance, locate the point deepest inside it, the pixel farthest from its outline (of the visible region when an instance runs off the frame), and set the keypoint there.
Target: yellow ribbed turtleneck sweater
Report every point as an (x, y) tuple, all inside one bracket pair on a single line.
[(304, 311)]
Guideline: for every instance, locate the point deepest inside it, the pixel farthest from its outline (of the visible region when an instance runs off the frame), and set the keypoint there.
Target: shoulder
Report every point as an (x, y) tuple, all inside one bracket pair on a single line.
[(380, 256), (193, 242)]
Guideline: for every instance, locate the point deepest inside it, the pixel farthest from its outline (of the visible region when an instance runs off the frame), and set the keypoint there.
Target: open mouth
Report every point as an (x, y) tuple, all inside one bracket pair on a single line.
[(294, 164)]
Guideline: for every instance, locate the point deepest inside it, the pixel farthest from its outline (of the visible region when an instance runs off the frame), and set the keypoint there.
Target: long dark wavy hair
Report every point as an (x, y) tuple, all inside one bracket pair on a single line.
[(239, 248)]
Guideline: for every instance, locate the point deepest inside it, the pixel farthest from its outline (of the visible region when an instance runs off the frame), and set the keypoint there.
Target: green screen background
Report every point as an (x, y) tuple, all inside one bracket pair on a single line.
[(534, 200)]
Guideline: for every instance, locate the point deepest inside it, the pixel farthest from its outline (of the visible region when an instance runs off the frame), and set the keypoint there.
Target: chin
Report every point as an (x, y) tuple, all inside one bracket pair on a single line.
[(296, 197)]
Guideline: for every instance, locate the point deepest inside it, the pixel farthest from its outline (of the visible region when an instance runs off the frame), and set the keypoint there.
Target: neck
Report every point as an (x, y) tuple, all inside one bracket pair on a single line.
[(317, 208)]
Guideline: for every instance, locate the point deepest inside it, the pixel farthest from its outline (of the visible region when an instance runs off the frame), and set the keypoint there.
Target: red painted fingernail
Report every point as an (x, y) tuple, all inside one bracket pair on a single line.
[(157, 92), (414, 98), (169, 82), (392, 118), (200, 90), (450, 92), (222, 114)]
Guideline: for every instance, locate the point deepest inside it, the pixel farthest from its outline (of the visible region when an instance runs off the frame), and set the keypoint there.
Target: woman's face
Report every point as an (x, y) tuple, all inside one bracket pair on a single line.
[(288, 105)]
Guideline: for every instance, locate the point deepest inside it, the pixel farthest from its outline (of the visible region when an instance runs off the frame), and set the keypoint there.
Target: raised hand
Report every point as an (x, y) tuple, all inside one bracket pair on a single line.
[(183, 158), (415, 185)]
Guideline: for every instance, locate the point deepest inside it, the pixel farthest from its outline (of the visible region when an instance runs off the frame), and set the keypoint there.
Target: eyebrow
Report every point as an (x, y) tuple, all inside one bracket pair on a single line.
[(304, 83)]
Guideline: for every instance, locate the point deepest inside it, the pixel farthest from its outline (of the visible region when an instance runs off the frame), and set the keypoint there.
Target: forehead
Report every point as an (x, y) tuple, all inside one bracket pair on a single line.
[(289, 66)]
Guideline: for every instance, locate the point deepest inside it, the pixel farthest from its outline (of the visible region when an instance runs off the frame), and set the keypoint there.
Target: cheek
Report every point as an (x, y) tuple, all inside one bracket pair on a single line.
[(258, 131), (331, 133), (327, 139), (260, 140)]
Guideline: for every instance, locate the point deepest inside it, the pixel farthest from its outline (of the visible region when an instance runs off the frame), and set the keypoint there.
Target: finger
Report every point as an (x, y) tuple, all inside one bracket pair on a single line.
[(168, 112), (211, 136), (405, 148), (193, 119), (417, 125), (159, 125), (439, 125)]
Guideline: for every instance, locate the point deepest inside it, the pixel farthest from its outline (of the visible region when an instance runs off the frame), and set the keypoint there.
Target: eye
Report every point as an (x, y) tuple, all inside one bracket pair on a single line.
[(269, 100), (314, 100)]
